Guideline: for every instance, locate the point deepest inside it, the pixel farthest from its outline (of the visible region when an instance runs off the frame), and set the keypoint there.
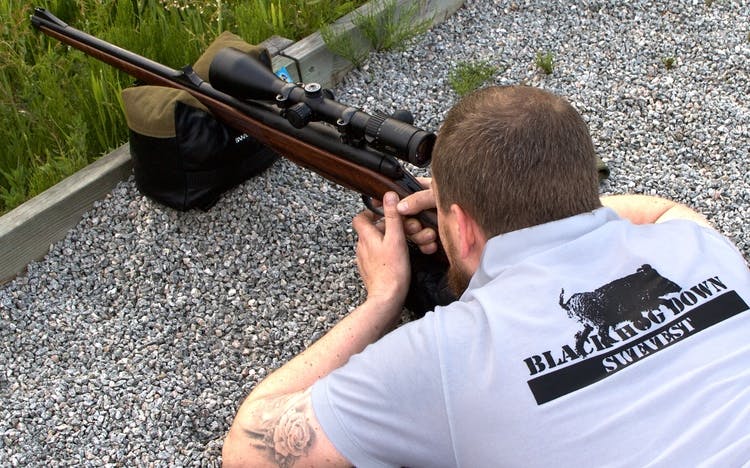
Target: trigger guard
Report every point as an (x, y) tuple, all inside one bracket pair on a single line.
[(368, 203)]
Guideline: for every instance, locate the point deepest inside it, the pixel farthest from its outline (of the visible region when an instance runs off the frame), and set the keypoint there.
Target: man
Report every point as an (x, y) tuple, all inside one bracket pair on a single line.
[(581, 337)]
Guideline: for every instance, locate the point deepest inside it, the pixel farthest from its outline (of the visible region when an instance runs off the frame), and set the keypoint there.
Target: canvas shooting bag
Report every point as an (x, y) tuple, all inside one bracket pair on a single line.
[(182, 156)]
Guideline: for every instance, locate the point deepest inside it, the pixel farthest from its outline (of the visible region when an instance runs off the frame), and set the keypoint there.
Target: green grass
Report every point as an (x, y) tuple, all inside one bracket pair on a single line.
[(60, 110), (255, 20), (350, 44), (465, 77), (668, 62), (390, 27), (386, 26), (545, 61)]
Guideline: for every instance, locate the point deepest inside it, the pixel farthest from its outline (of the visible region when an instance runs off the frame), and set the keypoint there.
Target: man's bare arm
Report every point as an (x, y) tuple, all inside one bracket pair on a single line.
[(275, 432), (645, 209), (275, 425)]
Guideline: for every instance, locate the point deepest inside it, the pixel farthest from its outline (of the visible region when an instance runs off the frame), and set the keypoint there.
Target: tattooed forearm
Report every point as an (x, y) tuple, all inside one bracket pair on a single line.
[(281, 428)]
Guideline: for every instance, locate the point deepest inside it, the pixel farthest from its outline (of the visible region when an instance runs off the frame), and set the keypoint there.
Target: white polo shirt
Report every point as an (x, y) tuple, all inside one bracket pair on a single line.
[(587, 341)]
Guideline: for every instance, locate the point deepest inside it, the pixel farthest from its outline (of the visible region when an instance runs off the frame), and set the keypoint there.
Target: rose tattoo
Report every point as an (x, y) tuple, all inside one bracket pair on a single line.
[(283, 430)]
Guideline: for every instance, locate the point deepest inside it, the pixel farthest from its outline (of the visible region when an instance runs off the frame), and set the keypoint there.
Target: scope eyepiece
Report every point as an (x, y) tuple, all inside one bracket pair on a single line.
[(402, 139)]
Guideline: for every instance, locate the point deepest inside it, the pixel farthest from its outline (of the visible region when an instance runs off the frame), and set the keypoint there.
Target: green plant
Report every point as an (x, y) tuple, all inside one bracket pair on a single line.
[(668, 62), (256, 20), (465, 77), (62, 109), (545, 61), (384, 26), (388, 26), (347, 43)]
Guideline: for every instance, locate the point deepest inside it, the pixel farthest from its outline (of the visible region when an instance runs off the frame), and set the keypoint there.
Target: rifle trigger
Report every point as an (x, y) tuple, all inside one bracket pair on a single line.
[(368, 203)]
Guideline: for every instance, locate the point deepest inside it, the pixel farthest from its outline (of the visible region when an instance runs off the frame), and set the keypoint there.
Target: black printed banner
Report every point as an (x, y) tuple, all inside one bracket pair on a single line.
[(574, 377)]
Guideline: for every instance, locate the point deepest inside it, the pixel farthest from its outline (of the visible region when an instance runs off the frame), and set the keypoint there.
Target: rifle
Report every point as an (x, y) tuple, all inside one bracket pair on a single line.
[(301, 122)]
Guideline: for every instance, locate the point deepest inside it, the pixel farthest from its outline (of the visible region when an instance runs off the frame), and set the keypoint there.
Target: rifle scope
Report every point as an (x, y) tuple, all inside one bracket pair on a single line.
[(243, 77)]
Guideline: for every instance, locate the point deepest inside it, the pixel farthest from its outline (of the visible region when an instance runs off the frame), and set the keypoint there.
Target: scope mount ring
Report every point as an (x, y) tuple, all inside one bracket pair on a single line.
[(282, 98), (346, 129)]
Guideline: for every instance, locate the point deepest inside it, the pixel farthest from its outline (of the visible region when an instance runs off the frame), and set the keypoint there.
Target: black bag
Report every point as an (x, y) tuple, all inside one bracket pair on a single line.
[(182, 156)]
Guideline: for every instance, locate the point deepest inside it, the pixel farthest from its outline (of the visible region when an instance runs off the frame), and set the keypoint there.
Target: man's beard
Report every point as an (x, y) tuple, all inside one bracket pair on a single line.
[(457, 278)]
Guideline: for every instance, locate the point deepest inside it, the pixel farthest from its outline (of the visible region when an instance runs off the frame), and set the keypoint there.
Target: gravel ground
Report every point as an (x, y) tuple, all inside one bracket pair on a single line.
[(134, 340)]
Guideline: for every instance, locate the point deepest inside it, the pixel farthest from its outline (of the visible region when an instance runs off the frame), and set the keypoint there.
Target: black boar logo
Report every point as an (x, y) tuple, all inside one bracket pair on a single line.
[(622, 300)]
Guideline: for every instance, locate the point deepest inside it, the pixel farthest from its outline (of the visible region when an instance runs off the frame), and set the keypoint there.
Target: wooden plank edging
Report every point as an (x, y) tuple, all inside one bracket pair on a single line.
[(27, 231)]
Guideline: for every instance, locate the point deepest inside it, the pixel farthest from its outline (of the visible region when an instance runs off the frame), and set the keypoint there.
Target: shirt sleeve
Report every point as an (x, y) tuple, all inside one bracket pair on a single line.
[(386, 406)]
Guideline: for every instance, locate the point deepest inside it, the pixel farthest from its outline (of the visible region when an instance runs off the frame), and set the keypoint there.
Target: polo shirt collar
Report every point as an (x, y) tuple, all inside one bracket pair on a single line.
[(513, 247)]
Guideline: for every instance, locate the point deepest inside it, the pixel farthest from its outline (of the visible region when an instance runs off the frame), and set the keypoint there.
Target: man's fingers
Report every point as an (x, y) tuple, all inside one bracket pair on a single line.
[(363, 223), (425, 236), (393, 223), (412, 226), (417, 202), (425, 182), (428, 249)]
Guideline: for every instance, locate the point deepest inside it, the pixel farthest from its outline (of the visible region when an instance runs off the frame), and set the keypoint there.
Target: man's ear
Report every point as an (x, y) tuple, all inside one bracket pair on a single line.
[(470, 238)]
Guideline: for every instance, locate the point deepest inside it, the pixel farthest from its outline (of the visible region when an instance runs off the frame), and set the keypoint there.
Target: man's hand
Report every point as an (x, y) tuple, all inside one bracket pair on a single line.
[(382, 255), (424, 238)]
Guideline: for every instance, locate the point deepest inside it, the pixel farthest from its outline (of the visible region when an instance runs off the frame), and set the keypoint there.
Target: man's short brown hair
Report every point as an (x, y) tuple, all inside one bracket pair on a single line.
[(515, 157)]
